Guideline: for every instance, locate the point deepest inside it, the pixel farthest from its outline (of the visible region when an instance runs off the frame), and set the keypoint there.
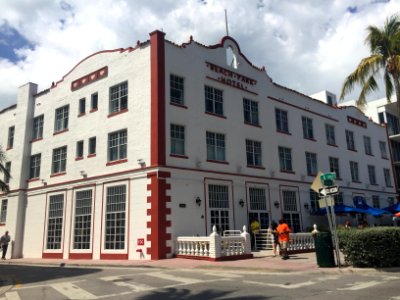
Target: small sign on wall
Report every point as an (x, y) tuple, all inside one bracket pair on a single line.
[(140, 242)]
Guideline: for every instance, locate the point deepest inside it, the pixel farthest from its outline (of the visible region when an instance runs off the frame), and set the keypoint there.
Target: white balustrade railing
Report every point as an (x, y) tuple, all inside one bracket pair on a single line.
[(214, 246), (302, 241)]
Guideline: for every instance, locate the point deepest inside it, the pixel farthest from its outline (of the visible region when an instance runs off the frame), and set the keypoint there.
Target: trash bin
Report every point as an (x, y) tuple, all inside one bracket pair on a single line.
[(324, 250)]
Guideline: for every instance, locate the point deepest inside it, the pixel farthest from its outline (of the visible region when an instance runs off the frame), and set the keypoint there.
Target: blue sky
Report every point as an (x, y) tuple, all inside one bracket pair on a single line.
[(10, 40), (306, 45)]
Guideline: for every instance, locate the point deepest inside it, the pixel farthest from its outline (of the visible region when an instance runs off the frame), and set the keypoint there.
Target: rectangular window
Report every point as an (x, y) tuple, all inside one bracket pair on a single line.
[(55, 222), (311, 161), (367, 145), (176, 89), (258, 199), (281, 119), (3, 212), (289, 201), (10, 140), (285, 159), (218, 197), (119, 97), (82, 106), (92, 146), (215, 146), (375, 201), (314, 201), (382, 147), (250, 110), (330, 134), (34, 170), (117, 145), (350, 140), (59, 160), (214, 100), (388, 180), (94, 101), (371, 174), (354, 171), (308, 131), (61, 119), (115, 218), (334, 166), (83, 220), (7, 174), (38, 127), (79, 149), (253, 153), (177, 139)]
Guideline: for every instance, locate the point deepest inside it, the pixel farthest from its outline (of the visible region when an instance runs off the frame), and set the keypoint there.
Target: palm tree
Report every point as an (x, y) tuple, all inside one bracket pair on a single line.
[(384, 46), (3, 186)]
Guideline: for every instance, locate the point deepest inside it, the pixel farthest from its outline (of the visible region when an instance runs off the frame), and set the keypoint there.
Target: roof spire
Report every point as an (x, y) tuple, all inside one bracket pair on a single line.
[(226, 22)]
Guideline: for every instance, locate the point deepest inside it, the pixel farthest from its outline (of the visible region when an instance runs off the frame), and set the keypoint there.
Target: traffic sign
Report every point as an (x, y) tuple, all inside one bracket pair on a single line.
[(317, 184), (327, 179), (326, 176), (329, 202), (328, 190)]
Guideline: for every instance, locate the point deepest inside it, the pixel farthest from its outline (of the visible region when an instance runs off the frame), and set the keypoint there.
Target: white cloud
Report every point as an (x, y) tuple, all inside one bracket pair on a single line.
[(306, 45)]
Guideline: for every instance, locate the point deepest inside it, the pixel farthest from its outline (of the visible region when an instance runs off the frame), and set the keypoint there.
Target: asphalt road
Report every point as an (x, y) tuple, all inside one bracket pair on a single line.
[(40, 282)]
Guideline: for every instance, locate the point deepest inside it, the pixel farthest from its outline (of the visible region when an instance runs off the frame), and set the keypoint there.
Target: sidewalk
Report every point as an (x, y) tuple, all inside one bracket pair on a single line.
[(263, 261)]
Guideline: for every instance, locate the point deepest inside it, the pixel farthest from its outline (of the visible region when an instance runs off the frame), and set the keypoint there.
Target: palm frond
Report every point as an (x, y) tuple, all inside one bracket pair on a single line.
[(369, 86), (367, 67), (388, 86)]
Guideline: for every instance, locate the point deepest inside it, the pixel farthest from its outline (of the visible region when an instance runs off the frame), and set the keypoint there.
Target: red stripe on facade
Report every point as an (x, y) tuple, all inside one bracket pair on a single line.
[(80, 256), (52, 255), (112, 256), (158, 213), (157, 57)]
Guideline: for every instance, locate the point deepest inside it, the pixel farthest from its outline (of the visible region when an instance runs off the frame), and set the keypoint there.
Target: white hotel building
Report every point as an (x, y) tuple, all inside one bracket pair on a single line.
[(135, 147)]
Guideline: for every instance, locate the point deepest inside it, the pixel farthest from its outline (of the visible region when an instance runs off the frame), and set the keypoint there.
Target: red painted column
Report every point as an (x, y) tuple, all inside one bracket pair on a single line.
[(157, 65), (158, 186)]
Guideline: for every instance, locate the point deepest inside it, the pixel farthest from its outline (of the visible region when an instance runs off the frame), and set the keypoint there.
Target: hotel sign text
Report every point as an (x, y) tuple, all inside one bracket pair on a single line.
[(231, 78)]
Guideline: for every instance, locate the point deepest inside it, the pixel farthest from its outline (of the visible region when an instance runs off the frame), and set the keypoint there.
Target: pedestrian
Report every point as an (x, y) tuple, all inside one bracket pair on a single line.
[(283, 237), (347, 225), (255, 228), (275, 244), (5, 240)]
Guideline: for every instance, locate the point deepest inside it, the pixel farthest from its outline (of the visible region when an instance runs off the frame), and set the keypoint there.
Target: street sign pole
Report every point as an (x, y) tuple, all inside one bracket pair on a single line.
[(334, 233)]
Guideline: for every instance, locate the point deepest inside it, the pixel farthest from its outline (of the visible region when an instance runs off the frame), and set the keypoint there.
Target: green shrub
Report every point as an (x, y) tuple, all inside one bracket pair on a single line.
[(375, 247)]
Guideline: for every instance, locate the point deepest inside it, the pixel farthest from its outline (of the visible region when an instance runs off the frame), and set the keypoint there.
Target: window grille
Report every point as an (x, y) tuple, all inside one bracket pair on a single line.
[(83, 219), (117, 145), (289, 201), (258, 200), (55, 222), (115, 217), (119, 97)]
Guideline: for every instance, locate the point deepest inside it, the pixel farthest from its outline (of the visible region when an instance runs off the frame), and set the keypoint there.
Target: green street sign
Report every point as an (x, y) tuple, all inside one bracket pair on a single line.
[(327, 176), (327, 179)]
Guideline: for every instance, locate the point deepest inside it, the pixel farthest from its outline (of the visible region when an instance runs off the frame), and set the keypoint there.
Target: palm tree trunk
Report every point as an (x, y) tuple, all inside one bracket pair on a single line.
[(397, 90)]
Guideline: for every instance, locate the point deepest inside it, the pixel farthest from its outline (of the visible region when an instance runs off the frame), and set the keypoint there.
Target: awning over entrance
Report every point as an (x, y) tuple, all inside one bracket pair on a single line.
[(360, 203), (340, 209), (393, 208)]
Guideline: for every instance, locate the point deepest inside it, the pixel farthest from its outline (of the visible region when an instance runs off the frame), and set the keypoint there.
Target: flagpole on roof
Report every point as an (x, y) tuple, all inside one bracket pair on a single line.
[(226, 22)]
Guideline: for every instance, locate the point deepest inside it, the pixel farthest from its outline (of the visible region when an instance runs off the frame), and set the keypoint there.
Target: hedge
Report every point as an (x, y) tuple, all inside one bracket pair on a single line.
[(375, 247)]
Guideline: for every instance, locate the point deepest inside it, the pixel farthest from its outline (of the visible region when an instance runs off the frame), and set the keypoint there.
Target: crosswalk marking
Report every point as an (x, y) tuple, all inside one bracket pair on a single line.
[(72, 291), (119, 280), (360, 285), (283, 286), (183, 280), (11, 296)]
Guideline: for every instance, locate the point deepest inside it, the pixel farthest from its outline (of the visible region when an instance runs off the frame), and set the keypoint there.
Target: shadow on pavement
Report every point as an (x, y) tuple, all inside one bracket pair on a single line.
[(12, 274), (183, 294)]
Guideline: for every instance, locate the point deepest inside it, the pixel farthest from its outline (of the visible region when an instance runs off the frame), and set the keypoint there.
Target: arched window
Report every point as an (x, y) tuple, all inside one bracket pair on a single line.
[(231, 59)]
